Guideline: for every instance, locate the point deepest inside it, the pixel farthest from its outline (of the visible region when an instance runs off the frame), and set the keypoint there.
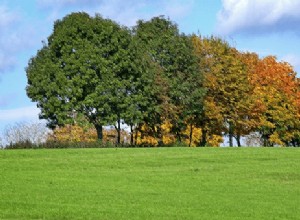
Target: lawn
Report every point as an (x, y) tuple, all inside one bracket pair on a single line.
[(150, 183)]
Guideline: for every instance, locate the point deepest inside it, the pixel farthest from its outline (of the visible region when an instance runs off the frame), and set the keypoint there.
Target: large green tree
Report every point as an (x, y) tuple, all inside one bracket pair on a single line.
[(84, 68), (177, 92)]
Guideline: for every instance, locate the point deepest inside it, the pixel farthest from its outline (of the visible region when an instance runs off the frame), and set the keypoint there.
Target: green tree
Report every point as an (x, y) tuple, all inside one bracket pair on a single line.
[(176, 82), (84, 68)]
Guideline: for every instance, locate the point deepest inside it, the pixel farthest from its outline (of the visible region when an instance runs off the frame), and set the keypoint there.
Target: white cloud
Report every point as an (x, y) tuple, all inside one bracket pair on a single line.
[(19, 114), (124, 12), (16, 35), (263, 16), (294, 60), (177, 9)]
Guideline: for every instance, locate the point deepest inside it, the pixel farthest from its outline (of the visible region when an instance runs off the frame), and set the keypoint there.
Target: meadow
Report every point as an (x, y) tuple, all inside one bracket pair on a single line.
[(150, 183)]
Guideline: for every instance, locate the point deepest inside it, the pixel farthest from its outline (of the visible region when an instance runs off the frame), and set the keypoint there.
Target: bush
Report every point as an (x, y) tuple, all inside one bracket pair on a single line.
[(59, 145), (21, 145)]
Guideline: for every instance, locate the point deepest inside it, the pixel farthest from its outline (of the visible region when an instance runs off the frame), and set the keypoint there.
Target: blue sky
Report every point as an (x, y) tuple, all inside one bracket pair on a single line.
[(268, 27)]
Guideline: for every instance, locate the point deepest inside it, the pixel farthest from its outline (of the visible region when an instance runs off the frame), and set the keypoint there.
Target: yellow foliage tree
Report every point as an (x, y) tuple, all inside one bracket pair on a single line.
[(214, 140), (73, 133), (192, 136), (144, 136), (77, 133)]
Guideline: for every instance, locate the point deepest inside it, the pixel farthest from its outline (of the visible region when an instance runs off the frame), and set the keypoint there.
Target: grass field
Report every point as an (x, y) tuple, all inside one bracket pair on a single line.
[(150, 183)]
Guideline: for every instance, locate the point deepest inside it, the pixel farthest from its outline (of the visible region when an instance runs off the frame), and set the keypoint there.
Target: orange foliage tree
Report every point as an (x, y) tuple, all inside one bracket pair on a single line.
[(276, 90)]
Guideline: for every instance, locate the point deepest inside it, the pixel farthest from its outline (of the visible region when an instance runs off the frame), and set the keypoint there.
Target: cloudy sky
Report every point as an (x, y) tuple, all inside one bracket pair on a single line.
[(268, 27)]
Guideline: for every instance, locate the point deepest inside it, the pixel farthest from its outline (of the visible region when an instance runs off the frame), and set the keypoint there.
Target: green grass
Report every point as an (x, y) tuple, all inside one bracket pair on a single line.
[(150, 183)]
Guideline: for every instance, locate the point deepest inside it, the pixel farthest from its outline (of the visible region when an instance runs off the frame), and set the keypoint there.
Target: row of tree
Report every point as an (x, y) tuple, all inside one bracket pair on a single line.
[(166, 86)]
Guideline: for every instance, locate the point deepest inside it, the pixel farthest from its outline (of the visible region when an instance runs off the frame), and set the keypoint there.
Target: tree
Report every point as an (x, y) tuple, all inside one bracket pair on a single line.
[(84, 68), (25, 132), (277, 91), (227, 84), (176, 93)]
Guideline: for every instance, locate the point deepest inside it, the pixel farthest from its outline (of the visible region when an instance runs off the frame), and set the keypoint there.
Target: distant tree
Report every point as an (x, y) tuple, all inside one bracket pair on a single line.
[(253, 140), (25, 132)]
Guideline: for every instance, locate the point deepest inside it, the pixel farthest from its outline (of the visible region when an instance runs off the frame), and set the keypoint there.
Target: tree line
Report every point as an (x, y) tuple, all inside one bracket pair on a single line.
[(166, 86)]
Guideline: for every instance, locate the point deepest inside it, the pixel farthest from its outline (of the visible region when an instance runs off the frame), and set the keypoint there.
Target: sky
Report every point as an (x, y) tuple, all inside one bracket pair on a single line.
[(267, 27)]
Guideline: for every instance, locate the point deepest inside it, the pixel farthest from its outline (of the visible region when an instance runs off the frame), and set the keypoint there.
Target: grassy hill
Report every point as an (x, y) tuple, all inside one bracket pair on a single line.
[(150, 183)]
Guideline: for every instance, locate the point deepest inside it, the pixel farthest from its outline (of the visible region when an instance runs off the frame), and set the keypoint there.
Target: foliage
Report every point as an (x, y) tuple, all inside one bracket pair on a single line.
[(145, 136), (192, 135), (167, 87), (76, 133), (177, 90), (85, 68), (226, 82), (73, 133), (277, 91)]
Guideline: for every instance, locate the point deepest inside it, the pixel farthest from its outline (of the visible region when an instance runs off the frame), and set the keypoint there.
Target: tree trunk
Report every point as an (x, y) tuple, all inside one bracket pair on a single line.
[(119, 132), (265, 140), (131, 135), (136, 134), (238, 140), (178, 134), (203, 138), (230, 140), (99, 130), (230, 134), (191, 135), (159, 136)]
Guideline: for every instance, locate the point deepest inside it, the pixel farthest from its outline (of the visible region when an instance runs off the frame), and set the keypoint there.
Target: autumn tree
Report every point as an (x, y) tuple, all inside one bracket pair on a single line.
[(277, 91), (227, 85)]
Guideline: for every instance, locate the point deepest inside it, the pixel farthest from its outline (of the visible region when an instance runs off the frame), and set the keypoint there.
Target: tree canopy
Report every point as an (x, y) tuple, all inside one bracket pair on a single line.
[(168, 87), (86, 67)]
